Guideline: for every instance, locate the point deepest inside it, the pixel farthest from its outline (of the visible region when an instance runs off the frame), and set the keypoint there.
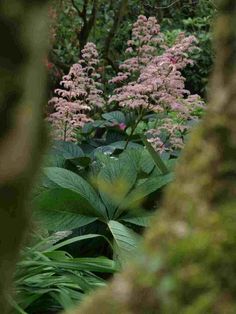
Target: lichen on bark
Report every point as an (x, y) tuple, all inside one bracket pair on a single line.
[(187, 263)]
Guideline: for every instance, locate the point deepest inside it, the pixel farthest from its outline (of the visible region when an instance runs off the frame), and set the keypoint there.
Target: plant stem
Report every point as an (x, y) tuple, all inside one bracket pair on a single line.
[(155, 155), (133, 129)]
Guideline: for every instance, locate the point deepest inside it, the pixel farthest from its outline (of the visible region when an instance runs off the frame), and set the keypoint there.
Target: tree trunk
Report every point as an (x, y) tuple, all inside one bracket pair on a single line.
[(22, 135), (187, 263), (119, 14), (88, 23)]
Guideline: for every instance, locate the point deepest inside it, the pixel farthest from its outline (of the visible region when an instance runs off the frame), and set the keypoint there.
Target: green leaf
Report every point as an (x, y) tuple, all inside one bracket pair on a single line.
[(132, 157), (73, 240), (155, 155), (83, 161), (68, 150), (125, 240), (62, 209), (143, 221), (146, 163), (114, 182), (121, 145), (106, 150), (144, 189), (97, 264), (140, 158), (114, 116), (63, 298), (71, 181)]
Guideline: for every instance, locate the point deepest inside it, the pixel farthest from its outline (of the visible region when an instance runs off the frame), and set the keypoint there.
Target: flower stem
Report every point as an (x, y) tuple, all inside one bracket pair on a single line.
[(155, 155)]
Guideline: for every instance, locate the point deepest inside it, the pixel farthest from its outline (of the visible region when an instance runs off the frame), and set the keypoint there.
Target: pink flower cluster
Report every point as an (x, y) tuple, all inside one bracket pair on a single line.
[(151, 79), (172, 132), (80, 93)]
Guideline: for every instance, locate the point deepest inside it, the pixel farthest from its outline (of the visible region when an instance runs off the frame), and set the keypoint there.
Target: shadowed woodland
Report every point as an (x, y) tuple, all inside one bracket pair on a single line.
[(118, 157)]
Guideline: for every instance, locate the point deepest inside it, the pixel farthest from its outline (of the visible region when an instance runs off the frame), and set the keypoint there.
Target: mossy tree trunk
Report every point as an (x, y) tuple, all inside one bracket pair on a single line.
[(22, 136), (187, 263)]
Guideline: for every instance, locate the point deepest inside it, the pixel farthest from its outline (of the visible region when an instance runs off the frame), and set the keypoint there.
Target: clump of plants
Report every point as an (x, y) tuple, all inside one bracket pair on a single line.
[(151, 82), (111, 157), (150, 87)]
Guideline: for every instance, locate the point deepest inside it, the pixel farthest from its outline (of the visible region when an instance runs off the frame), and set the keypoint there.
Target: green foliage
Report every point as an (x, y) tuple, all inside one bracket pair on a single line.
[(100, 194), (193, 19), (108, 199), (50, 279)]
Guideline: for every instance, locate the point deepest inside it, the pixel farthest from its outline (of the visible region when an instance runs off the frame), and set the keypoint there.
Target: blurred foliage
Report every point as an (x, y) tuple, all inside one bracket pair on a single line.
[(49, 279)]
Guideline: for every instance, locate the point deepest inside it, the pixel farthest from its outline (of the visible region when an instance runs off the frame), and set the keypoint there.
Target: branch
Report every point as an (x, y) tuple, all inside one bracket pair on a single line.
[(92, 17), (164, 7), (118, 17), (76, 8)]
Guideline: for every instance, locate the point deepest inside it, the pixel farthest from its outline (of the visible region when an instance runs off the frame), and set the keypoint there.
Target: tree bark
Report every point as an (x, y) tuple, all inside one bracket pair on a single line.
[(22, 135), (88, 21), (187, 263)]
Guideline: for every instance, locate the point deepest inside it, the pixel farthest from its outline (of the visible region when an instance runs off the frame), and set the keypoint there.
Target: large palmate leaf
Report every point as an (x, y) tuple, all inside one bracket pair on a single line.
[(125, 240), (114, 116), (61, 152), (54, 220), (147, 187), (62, 209), (71, 181), (140, 158), (68, 150), (121, 145), (114, 182), (142, 220)]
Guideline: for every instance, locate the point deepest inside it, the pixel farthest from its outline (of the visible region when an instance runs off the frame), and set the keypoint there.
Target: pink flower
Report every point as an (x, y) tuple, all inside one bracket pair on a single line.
[(80, 93), (122, 126), (151, 80)]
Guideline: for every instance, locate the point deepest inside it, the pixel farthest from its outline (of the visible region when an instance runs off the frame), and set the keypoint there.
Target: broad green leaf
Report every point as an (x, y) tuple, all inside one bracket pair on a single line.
[(54, 159), (146, 163), (106, 150), (125, 240), (68, 150), (132, 157), (122, 144), (62, 209), (114, 116), (141, 191), (60, 221), (114, 182), (140, 157), (143, 221), (71, 181)]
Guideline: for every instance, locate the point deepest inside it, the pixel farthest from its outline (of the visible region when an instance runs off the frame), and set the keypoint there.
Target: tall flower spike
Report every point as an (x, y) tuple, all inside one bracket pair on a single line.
[(89, 63), (151, 79), (79, 95), (70, 107)]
